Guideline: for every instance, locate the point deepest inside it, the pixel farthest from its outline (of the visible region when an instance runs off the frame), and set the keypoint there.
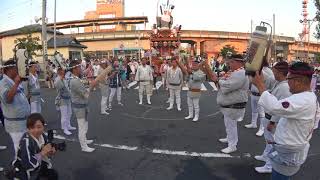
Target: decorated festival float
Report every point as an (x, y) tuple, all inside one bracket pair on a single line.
[(165, 38)]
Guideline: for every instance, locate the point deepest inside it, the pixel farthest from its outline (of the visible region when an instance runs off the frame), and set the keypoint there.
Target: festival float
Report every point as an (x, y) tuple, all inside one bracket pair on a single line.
[(165, 39)]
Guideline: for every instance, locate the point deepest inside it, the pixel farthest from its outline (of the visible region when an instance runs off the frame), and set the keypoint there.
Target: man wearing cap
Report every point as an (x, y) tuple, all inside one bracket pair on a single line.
[(144, 78), (298, 114), (33, 91), (280, 91), (232, 98), (63, 101), (195, 78), (14, 103), (79, 101), (175, 80), (257, 111)]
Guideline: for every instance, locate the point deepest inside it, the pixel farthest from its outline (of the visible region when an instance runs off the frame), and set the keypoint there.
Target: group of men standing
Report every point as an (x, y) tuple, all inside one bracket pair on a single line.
[(281, 99)]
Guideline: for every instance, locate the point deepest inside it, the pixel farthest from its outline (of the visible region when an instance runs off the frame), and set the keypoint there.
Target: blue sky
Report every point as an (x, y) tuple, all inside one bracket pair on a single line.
[(218, 15)]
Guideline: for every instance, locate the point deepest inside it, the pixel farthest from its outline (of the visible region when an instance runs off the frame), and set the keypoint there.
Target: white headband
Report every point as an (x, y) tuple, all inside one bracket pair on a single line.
[(74, 66), (9, 65)]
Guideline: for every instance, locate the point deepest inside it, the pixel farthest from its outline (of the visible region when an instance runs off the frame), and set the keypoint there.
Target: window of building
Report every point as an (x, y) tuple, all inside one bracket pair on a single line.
[(107, 15), (74, 55), (107, 27)]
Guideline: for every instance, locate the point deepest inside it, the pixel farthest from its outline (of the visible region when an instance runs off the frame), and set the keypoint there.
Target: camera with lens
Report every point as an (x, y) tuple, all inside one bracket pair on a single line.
[(59, 146)]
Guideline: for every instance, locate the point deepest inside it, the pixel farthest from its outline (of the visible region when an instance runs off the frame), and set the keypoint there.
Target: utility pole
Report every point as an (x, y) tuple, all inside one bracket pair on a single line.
[(55, 28), (274, 39), (44, 32)]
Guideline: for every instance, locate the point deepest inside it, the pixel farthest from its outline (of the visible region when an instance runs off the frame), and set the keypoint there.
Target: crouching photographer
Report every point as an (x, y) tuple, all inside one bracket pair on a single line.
[(33, 160)]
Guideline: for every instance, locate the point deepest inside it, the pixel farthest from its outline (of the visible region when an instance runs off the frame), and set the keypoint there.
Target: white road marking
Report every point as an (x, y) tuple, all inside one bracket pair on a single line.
[(203, 87), (158, 84), (157, 151), (213, 86), (132, 84), (185, 88), (193, 154)]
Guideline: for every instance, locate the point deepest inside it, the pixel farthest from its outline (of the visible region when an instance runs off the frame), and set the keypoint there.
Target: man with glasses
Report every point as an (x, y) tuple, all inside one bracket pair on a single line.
[(298, 118), (280, 91)]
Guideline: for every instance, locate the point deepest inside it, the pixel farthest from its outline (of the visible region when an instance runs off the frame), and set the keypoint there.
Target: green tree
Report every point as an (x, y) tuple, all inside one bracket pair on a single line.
[(317, 58), (227, 48), (31, 44)]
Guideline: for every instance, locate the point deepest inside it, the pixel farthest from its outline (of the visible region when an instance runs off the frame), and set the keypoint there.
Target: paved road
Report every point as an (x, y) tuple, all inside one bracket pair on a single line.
[(142, 142)]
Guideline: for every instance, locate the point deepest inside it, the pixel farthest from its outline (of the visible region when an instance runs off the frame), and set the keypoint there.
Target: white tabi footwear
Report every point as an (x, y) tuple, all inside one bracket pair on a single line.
[(67, 132), (250, 126), (263, 170), (195, 119), (71, 128), (188, 117), (88, 149), (223, 140), (170, 108), (89, 141), (229, 150), (260, 158), (260, 132), (104, 113)]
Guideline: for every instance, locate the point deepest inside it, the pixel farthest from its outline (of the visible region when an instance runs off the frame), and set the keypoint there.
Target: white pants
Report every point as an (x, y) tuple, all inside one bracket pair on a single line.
[(269, 136), (35, 107), (257, 111), (193, 105), (113, 92), (66, 113), (231, 130), (145, 88), (16, 137), (104, 103), (83, 129), (175, 93)]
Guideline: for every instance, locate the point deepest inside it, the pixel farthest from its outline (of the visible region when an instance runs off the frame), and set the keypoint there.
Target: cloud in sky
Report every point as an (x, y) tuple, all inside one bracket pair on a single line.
[(218, 15)]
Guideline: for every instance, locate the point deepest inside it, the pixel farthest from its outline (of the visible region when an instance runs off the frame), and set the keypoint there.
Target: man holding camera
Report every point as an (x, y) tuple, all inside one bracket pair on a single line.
[(79, 101), (298, 113), (14, 103), (34, 151)]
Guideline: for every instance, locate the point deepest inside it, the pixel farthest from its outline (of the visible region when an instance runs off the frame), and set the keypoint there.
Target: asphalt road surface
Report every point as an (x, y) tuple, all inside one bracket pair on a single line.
[(147, 142)]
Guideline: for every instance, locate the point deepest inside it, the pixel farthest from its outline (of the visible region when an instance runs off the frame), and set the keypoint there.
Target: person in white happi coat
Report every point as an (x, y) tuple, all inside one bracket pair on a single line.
[(195, 77), (232, 98), (79, 101), (298, 117), (63, 101), (14, 103), (257, 111), (280, 91), (144, 78), (33, 89), (104, 87), (175, 80)]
